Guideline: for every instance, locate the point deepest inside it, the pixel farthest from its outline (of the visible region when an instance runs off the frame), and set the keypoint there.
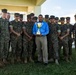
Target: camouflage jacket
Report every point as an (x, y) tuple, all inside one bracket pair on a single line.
[(29, 27), (70, 26), (53, 33), (64, 29), (4, 29), (17, 27)]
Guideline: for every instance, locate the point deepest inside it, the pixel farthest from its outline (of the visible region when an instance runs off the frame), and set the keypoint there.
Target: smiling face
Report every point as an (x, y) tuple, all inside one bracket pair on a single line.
[(56, 21), (67, 21), (40, 18), (16, 18), (52, 20), (8, 16), (62, 22)]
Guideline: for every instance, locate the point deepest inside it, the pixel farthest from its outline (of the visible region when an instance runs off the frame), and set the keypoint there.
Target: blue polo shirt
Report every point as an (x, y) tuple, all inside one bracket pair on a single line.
[(44, 29)]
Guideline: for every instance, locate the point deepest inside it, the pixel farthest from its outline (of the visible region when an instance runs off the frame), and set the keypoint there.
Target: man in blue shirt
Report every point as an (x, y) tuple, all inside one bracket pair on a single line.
[(40, 30)]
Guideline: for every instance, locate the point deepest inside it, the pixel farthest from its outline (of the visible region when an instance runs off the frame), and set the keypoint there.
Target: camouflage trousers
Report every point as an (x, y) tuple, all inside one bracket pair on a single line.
[(53, 49), (64, 43), (4, 48), (70, 47), (27, 48), (16, 44)]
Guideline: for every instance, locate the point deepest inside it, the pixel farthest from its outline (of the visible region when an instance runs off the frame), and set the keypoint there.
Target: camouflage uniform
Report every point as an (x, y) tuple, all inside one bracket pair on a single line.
[(4, 38), (53, 40), (70, 38), (16, 42), (64, 41), (28, 44), (75, 34)]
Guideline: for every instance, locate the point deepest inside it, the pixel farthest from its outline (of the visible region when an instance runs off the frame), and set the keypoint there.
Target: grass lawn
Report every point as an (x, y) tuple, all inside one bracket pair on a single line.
[(39, 69)]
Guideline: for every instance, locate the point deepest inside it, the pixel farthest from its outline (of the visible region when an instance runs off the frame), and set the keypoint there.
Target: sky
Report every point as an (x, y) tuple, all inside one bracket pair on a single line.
[(59, 8)]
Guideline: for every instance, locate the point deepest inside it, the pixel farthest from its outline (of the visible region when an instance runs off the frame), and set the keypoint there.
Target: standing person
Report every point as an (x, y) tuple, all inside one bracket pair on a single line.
[(16, 38), (56, 20), (46, 18), (53, 39), (75, 31), (58, 26), (35, 19), (4, 38), (22, 23), (34, 43), (64, 38), (40, 30), (28, 40), (21, 18), (8, 16), (32, 16), (70, 39)]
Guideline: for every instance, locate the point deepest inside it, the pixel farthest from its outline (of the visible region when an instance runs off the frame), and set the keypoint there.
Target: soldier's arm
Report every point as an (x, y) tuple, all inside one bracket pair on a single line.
[(66, 33), (74, 31), (25, 33), (72, 35), (12, 31), (58, 30)]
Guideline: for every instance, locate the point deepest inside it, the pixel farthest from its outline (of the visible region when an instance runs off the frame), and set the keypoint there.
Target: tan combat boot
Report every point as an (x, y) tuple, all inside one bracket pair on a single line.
[(5, 61), (25, 60), (31, 60), (66, 59), (1, 64), (56, 61)]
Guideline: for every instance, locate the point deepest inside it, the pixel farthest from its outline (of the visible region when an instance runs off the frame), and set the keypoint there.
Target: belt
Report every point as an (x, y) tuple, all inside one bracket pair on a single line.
[(40, 36)]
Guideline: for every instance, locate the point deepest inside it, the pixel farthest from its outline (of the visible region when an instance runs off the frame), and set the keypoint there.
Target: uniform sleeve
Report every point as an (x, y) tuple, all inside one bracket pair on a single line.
[(58, 29), (24, 26), (10, 25), (68, 29), (74, 27)]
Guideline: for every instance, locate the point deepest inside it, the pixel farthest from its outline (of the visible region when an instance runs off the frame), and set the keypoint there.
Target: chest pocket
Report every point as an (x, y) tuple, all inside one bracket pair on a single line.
[(53, 29), (17, 26), (29, 27), (4, 26), (64, 30)]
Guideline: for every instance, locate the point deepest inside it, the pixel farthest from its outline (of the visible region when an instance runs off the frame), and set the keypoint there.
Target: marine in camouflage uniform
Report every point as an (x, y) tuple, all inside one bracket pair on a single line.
[(16, 38), (27, 40), (64, 38), (75, 32), (70, 39), (22, 23), (57, 23), (4, 37), (34, 43), (53, 39), (46, 19)]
